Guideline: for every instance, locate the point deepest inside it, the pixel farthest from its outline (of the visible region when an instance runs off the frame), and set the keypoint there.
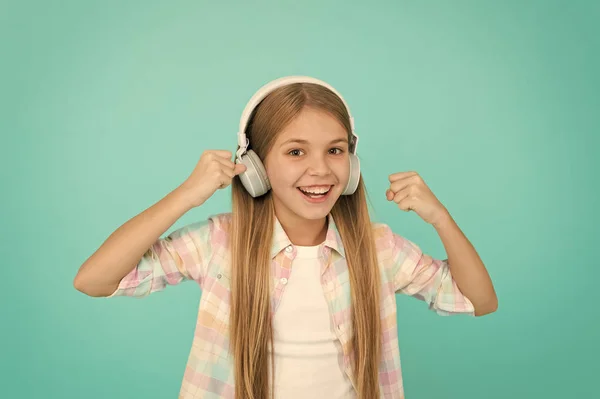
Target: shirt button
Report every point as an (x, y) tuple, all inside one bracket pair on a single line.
[(283, 280), (219, 275), (288, 248)]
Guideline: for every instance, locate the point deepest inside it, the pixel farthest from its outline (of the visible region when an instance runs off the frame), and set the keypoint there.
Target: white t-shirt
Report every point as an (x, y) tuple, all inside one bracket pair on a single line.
[(306, 348)]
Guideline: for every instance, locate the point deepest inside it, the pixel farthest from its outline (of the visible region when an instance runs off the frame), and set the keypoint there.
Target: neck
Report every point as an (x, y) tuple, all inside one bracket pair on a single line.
[(304, 232)]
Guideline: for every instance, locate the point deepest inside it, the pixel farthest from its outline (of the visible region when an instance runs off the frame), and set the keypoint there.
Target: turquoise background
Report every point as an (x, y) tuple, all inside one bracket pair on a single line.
[(106, 107)]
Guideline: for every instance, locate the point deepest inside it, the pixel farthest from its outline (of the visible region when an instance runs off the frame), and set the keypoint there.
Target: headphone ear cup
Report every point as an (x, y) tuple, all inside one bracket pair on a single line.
[(354, 177), (254, 179)]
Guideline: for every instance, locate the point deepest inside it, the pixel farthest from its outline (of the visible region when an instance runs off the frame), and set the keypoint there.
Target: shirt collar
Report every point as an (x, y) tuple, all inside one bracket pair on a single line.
[(332, 238)]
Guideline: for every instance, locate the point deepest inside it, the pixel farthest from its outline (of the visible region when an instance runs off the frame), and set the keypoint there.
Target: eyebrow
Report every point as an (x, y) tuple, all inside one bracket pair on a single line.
[(301, 141)]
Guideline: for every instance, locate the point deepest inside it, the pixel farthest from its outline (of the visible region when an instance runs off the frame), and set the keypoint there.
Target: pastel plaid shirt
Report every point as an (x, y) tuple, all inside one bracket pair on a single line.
[(199, 252)]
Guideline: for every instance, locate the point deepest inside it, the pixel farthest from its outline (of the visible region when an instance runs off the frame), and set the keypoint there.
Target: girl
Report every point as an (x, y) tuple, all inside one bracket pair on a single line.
[(297, 282)]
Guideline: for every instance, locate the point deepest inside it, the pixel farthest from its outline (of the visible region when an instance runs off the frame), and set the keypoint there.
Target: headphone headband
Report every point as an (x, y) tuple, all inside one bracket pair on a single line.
[(265, 90)]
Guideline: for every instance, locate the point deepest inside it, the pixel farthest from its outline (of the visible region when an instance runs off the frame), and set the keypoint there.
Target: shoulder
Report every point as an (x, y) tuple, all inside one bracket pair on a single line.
[(217, 226), (388, 241), (383, 235), (214, 228), (383, 239), (220, 220), (380, 230)]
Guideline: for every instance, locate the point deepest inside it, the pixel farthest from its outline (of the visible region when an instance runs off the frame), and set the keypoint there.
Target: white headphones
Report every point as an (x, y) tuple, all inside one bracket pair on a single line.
[(255, 178)]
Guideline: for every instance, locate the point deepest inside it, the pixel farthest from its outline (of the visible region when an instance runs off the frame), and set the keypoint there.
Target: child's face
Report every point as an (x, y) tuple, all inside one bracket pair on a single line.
[(318, 162)]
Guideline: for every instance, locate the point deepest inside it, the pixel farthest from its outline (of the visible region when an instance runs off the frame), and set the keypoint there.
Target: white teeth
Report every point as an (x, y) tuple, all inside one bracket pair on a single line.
[(315, 191)]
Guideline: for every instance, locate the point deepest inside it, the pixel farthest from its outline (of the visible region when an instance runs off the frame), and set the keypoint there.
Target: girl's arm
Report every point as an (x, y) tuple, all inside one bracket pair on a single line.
[(466, 267), (409, 191), (124, 249), (101, 273)]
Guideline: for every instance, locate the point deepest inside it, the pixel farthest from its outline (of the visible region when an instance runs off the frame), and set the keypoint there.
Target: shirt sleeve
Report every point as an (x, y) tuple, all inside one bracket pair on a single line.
[(428, 279), (182, 255)]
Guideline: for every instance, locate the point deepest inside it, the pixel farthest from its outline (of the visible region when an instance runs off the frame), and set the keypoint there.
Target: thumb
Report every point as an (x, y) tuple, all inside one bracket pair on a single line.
[(389, 194), (239, 168)]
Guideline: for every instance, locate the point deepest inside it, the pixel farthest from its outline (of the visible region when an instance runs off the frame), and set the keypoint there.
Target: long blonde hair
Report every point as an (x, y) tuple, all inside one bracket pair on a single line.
[(251, 233)]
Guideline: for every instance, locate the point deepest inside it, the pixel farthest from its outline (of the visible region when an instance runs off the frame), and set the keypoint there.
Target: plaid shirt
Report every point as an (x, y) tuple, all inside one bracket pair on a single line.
[(199, 252)]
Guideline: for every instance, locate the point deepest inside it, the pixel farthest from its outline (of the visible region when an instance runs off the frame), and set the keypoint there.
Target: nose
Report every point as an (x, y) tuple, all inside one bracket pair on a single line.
[(319, 166)]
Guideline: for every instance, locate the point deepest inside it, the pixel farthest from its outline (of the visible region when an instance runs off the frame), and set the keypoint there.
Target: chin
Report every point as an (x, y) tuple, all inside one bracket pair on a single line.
[(314, 211), (315, 214)]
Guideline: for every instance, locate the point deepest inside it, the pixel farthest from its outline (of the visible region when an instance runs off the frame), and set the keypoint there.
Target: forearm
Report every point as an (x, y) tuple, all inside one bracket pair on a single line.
[(101, 273), (466, 267)]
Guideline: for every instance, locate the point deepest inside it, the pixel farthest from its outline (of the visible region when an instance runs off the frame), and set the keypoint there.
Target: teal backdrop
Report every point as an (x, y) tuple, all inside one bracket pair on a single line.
[(107, 106)]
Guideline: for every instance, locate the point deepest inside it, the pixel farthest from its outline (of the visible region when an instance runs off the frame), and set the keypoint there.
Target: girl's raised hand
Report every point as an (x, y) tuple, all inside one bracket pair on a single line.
[(215, 170), (409, 191)]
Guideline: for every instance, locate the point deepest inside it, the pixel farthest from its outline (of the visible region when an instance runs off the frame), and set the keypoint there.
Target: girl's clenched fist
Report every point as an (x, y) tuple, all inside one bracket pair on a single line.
[(215, 170)]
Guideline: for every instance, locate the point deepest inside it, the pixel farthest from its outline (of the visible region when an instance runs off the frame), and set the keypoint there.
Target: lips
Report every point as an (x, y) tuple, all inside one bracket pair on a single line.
[(315, 198)]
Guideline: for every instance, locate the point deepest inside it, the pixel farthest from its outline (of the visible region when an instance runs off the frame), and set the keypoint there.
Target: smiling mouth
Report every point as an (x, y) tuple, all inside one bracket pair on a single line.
[(315, 191)]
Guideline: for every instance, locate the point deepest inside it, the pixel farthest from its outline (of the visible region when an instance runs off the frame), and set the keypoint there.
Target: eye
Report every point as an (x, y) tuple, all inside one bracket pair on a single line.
[(295, 152), (338, 149)]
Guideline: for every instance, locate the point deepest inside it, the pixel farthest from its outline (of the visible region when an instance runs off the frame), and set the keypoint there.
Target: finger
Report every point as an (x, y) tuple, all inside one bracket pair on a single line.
[(225, 163), (225, 180), (239, 168), (227, 173), (400, 184), (406, 204), (400, 175), (389, 194), (401, 195), (231, 173), (222, 153)]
